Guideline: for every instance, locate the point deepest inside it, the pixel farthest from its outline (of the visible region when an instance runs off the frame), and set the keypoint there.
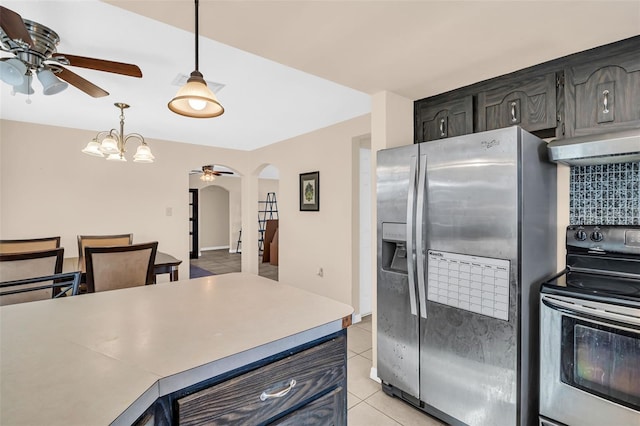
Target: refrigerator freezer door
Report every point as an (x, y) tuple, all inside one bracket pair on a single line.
[(469, 359), (397, 302)]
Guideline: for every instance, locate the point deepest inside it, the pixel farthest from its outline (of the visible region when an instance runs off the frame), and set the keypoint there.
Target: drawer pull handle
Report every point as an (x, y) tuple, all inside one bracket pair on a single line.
[(605, 102), (264, 395)]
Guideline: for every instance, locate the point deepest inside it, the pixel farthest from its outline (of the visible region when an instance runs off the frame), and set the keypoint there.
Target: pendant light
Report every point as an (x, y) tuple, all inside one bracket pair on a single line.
[(195, 99)]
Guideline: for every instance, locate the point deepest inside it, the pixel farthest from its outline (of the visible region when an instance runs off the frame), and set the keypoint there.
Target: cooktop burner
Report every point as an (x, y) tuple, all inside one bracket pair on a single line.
[(596, 284), (603, 262)]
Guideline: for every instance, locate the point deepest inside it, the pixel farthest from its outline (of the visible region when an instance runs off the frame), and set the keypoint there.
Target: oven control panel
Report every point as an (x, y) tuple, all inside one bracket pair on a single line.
[(604, 238)]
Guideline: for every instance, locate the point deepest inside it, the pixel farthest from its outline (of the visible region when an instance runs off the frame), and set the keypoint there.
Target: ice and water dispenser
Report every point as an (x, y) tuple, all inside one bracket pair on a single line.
[(394, 247)]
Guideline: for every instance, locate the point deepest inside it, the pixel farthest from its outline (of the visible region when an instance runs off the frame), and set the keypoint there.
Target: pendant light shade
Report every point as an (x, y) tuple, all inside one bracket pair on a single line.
[(195, 99)]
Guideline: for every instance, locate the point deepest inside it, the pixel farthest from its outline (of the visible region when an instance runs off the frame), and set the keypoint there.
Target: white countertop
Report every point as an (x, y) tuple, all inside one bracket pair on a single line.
[(105, 357)]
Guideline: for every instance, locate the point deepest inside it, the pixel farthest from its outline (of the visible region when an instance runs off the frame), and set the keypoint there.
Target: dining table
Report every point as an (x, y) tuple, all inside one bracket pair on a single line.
[(164, 264)]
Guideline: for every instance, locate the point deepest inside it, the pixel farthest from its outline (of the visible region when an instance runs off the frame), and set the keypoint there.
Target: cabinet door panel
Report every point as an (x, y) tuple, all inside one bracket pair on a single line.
[(239, 401), (529, 103), (443, 119), (609, 99), (326, 410)]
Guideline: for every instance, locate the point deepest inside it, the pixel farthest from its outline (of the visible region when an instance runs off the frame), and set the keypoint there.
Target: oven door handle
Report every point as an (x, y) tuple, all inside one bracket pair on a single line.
[(597, 310)]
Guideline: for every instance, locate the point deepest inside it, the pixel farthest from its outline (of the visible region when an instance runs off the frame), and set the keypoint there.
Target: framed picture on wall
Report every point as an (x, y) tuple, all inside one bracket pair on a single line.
[(310, 191)]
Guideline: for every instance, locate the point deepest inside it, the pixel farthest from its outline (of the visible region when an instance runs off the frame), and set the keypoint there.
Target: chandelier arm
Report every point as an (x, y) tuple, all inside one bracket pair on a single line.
[(134, 136), (102, 135)]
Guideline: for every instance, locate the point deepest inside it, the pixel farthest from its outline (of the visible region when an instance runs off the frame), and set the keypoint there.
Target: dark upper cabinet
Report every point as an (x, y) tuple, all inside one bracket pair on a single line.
[(529, 103), (589, 92), (602, 92), (438, 119)]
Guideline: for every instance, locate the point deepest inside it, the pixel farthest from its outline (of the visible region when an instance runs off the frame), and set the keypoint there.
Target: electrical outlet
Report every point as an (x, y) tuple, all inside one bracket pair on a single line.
[(169, 211)]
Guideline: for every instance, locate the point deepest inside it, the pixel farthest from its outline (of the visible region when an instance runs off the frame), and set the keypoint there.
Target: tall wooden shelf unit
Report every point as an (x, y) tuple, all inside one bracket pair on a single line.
[(268, 210)]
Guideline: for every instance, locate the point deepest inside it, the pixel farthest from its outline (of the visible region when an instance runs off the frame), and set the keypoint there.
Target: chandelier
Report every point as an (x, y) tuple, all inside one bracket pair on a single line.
[(112, 143)]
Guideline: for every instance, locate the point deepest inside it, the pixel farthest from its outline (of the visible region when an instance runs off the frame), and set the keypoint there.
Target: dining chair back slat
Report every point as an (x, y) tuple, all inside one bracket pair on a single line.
[(117, 267), (27, 245), (20, 266)]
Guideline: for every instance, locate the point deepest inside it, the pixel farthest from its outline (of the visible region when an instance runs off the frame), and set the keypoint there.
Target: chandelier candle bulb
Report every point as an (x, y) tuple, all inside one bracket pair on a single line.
[(112, 143)]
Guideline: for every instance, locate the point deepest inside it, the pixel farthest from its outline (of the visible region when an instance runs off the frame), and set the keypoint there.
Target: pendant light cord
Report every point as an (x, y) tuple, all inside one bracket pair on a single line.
[(196, 35)]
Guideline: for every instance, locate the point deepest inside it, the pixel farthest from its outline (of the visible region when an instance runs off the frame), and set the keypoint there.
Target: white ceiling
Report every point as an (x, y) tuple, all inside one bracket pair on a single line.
[(335, 54)]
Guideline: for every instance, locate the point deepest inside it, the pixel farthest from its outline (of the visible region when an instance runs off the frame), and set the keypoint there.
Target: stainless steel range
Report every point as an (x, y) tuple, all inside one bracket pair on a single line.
[(590, 331)]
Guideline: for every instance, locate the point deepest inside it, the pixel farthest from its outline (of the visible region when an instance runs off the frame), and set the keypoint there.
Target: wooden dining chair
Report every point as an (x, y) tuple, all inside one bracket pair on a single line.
[(19, 266), (116, 267), (100, 241), (31, 244)]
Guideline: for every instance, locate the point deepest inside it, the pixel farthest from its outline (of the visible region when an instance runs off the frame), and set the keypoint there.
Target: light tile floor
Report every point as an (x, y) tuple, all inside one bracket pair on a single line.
[(367, 404)]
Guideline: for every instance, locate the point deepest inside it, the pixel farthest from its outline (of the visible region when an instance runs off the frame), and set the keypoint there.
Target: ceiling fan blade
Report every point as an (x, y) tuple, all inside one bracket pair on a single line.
[(101, 65), (222, 173), (85, 85), (13, 26)]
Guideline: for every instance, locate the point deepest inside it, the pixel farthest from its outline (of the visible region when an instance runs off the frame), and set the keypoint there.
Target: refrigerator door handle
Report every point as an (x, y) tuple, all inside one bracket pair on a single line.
[(410, 234), (420, 249)]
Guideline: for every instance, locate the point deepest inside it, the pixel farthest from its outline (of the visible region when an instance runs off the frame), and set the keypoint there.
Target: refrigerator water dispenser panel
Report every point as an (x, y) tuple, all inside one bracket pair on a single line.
[(473, 283), (394, 247)]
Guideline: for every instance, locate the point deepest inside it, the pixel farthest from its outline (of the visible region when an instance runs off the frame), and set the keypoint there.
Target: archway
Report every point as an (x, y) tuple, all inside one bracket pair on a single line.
[(217, 230)]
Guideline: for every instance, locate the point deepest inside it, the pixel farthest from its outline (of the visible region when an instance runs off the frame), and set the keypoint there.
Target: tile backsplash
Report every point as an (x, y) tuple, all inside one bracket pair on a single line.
[(607, 194)]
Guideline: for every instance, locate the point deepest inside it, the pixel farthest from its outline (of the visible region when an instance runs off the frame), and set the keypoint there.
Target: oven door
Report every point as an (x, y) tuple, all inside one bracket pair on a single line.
[(589, 362)]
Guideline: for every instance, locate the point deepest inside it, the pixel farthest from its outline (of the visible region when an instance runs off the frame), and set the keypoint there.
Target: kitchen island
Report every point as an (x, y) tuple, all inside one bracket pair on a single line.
[(161, 353)]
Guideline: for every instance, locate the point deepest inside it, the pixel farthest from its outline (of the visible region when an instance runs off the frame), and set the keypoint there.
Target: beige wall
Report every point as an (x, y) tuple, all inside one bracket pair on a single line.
[(48, 187), (214, 217), (313, 240)]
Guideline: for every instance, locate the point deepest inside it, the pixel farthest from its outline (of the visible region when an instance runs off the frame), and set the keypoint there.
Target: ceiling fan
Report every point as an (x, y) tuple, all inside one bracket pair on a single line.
[(34, 48), (209, 174)]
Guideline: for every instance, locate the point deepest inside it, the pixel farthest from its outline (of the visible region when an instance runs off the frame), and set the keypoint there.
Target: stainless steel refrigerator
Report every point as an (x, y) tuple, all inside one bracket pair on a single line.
[(466, 232)]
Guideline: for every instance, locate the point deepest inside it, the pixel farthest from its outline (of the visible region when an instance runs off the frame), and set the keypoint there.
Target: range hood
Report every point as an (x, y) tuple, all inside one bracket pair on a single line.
[(604, 148)]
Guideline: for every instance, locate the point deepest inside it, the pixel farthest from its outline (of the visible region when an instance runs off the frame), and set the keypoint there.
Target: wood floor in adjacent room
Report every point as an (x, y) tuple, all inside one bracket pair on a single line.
[(223, 262)]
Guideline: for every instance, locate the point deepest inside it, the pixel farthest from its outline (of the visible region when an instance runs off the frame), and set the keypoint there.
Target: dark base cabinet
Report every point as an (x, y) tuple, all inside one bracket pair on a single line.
[(303, 386)]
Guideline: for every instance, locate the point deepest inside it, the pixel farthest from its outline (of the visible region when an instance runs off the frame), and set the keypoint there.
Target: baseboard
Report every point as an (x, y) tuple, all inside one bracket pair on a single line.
[(213, 248), (373, 375)]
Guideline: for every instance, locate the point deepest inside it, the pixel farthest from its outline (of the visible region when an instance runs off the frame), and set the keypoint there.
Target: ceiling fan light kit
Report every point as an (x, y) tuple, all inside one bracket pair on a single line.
[(34, 48), (112, 143), (50, 83), (195, 99), (25, 88), (12, 71)]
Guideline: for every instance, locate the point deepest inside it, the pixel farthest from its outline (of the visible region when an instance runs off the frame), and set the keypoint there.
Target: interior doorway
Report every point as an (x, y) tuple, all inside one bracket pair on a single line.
[(219, 219), (269, 220)]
